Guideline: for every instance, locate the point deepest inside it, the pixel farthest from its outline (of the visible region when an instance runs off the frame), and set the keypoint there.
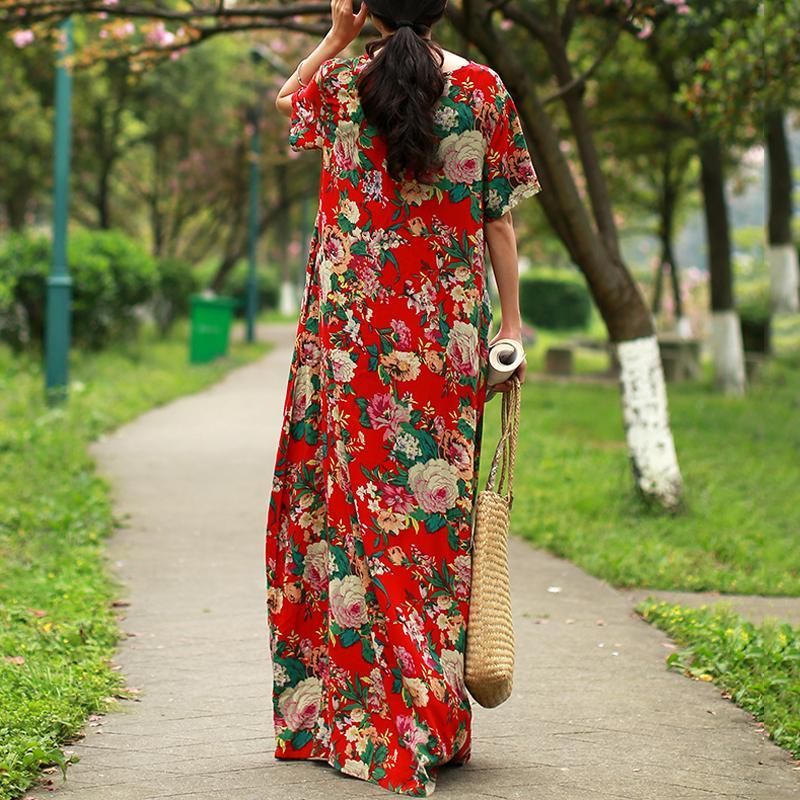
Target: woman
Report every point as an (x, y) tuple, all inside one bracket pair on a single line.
[(368, 550)]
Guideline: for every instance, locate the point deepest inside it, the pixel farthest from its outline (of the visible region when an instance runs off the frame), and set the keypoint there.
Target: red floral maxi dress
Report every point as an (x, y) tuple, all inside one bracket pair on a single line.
[(368, 538)]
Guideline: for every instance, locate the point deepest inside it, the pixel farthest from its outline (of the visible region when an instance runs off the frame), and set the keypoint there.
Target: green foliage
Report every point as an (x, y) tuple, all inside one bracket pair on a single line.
[(112, 279), (738, 456), (26, 123), (57, 625), (752, 65), (268, 286), (111, 276), (555, 299), (177, 281), (758, 666), (752, 288)]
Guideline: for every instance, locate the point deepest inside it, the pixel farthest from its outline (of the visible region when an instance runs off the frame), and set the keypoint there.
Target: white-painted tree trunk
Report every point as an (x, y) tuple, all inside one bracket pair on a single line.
[(288, 299), (646, 417), (727, 352), (685, 328), (784, 277)]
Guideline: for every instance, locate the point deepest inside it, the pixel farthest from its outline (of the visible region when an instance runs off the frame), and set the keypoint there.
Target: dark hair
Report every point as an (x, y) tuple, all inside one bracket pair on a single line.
[(400, 87)]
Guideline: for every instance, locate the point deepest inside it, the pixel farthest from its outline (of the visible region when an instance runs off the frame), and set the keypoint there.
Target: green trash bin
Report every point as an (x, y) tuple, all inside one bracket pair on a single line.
[(211, 319)]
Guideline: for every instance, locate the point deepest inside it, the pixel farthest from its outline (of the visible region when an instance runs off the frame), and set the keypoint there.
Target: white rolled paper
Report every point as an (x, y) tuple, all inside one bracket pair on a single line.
[(505, 355)]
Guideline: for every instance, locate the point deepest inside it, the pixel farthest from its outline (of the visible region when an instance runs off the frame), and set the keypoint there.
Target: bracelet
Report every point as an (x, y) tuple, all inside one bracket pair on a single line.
[(297, 73)]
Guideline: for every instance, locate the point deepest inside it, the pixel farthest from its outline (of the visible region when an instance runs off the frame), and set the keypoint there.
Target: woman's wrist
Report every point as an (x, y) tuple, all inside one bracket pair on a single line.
[(331, 45), (510, 327)]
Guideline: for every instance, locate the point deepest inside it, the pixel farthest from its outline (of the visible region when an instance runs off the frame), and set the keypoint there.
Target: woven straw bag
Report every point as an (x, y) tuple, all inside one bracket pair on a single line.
[(489, 657)]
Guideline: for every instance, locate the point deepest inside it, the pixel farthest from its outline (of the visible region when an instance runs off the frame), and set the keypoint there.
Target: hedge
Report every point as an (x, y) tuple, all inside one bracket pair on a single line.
[(554, 299), (113, 279)]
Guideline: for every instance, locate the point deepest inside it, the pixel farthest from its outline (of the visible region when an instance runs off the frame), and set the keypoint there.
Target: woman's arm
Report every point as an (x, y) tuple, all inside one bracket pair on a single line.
[(502, 243), (344, 28)]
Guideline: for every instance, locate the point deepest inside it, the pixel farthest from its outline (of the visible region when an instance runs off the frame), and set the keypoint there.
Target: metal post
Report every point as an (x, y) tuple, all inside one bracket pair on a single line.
[(256, 56), (59, 283)]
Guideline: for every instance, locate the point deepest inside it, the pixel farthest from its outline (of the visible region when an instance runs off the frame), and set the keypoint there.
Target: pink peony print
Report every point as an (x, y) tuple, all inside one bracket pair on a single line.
[(347, 600), (462, 348), (435, 485), (384, 412), (299, 704)]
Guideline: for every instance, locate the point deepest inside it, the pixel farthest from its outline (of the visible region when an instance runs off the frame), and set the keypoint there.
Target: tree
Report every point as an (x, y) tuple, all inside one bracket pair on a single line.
[(751, 74), (648, 154), (25, 120), (585, 225), (677, 44)]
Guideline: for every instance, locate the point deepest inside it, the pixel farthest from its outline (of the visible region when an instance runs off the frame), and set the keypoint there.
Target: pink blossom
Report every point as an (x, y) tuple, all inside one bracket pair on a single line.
[(23, 38), (160, 36)]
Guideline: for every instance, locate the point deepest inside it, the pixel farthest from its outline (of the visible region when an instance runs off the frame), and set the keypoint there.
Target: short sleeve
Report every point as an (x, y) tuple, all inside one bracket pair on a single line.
[(311, 113), (508, 172)]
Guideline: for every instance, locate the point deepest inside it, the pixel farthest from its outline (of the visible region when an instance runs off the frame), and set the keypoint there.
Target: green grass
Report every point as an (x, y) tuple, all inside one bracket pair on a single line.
[(737, 533), (58, 628), (757, 666)]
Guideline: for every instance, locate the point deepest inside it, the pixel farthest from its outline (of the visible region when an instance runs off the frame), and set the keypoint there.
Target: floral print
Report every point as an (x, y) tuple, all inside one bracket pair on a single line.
[(368, 536)]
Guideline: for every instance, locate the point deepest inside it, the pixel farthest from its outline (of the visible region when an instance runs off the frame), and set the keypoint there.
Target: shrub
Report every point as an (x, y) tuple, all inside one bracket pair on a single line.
[(753, 304), (268, 286), (554, 299), (177, 280), (111, 277)]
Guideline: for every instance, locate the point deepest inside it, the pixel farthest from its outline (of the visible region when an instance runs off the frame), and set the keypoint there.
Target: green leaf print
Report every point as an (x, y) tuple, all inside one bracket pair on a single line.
[(367, 650), (302, 738), (452, 539), (435, 521), (341, 560), (349, 637), (295, 669), (427, 443)]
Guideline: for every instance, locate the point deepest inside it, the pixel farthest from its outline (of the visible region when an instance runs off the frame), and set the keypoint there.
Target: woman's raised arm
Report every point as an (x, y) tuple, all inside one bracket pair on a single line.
[(344, 28)]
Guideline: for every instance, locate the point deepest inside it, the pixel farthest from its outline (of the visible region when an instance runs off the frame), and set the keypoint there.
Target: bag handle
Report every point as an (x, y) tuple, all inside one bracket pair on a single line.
[(507, 445)]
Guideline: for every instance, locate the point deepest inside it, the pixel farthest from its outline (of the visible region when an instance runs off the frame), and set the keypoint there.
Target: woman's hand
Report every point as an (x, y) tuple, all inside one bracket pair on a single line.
[(345, 24), (516, 335), (345, 28)]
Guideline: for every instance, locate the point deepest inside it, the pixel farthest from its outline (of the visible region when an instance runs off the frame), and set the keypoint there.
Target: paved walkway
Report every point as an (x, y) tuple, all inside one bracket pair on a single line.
[(594, 715)]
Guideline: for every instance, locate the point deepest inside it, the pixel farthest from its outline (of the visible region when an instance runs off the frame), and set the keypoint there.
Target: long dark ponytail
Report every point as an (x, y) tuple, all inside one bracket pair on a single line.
[(399, 87)]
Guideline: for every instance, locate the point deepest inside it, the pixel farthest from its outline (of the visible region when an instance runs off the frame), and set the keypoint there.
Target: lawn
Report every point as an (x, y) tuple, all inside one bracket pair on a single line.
[(58, 627), (756, 666), (737, 532), (738, 456)]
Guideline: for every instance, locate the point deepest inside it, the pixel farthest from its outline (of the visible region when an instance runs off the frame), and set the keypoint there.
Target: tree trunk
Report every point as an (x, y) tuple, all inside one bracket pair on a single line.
[(104, 197), (666, 234), (781, 251), (236, 248), (16, 209), (726, 338), (621, 304), (658, 285)]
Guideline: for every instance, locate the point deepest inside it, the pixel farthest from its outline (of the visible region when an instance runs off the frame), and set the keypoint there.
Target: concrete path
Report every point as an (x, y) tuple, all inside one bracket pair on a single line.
[(594, 715)]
